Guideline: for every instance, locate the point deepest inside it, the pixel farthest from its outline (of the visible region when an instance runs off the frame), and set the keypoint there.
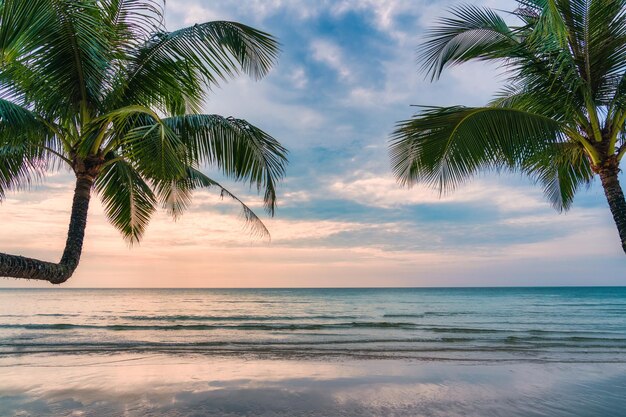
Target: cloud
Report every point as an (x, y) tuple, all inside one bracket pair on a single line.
[(299, 78), (383, 191), (329, 53)]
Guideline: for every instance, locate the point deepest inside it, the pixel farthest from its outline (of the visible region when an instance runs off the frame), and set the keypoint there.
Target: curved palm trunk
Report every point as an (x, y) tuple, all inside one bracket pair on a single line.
[(615, 198), (20, 267)]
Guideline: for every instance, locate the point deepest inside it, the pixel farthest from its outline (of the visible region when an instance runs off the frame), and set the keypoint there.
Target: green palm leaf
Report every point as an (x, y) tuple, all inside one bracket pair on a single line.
[(445, 146), (170, 69), (27, 147), (131, 22), (128, 201), (472, 33), (241, 150), (561, 169), (63, 61), (19, 168), (17, 122), (176, 195), (156, 150)]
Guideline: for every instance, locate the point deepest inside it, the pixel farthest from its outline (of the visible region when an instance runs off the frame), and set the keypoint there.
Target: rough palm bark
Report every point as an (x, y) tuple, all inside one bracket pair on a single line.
[(608, 173), (56, 273)]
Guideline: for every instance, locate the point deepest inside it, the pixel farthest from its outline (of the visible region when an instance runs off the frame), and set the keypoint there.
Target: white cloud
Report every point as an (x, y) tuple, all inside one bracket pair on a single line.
[(329, 53), (299, 78), (383, 191)]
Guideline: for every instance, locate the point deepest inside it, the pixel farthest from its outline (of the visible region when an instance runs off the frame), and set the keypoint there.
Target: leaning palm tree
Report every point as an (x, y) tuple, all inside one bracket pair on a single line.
[(560, 119), (100, 87)]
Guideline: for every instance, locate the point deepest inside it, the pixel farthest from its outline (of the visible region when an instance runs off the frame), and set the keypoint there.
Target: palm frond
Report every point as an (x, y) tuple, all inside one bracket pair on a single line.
[(108, 131), (156, 149), (472, 33), (16, 120), (128, 201), (445, 146), (70, 57), (170, 69), (561, 169), (21, 24), (23, 134), (23, 29), (176, 195), (132, 22), (20, 166), (241, 150)]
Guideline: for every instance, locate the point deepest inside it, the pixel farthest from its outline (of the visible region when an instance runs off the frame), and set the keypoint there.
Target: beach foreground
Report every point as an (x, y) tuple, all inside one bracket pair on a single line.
[(314, 352), (196, 385)]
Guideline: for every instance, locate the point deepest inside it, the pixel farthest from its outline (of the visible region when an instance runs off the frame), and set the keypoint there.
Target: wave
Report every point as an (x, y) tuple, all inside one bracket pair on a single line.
[(366, 341), (174, 318), (428, 314), (392, 344), (463, 330), (392, 350), (281, 301), (571, 341), (245, 326), (469, 330), (474, 342), (264, 325)]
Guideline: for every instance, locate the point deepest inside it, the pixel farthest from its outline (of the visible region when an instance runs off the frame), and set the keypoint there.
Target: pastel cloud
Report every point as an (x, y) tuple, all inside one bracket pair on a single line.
[(330, 54)]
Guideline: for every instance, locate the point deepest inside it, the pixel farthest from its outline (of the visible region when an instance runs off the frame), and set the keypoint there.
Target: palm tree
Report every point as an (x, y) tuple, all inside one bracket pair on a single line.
[(560, 118), (101, 87)]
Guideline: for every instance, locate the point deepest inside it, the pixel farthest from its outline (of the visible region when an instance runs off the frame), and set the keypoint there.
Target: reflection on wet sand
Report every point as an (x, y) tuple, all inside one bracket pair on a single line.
[(208, 386)]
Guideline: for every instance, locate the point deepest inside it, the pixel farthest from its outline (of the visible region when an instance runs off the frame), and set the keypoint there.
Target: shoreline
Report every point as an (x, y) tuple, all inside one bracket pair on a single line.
[(170, 385), (304, 357)]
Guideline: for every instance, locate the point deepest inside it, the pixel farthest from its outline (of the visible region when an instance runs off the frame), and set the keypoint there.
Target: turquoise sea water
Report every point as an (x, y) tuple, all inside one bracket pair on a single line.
[(453, 324)]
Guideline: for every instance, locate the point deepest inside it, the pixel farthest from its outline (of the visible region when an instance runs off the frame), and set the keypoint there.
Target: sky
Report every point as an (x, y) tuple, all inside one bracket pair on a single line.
[(346, 74)]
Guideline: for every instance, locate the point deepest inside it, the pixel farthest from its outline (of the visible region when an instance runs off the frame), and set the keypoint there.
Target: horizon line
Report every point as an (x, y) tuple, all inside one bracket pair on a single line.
[(314, 288)]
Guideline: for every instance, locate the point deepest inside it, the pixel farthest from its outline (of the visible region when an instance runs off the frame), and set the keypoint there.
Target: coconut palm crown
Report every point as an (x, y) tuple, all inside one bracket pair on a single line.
[(100, 87), (560, 118)]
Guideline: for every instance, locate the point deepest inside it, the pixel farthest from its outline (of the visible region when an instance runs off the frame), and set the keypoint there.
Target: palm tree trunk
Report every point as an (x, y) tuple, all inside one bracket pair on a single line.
[(14, 266), (615, 198)]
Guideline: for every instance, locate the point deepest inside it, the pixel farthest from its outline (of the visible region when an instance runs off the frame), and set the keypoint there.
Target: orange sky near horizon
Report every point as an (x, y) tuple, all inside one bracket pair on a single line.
[(206, 248)]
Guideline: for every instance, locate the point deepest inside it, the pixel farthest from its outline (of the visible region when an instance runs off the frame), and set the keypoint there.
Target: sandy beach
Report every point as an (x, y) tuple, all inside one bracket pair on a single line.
[(196, 385)]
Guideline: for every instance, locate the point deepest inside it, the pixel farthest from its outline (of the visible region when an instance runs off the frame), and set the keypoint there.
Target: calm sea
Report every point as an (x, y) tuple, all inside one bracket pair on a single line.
[(472, 324)]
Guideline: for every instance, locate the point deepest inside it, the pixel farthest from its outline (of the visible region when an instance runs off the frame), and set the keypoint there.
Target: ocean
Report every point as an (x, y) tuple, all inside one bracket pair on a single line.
[(466, 324), (399, 351)]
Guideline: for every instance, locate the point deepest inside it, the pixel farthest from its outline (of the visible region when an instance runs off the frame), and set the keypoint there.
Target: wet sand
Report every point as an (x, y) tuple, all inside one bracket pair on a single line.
[(201, 385)]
